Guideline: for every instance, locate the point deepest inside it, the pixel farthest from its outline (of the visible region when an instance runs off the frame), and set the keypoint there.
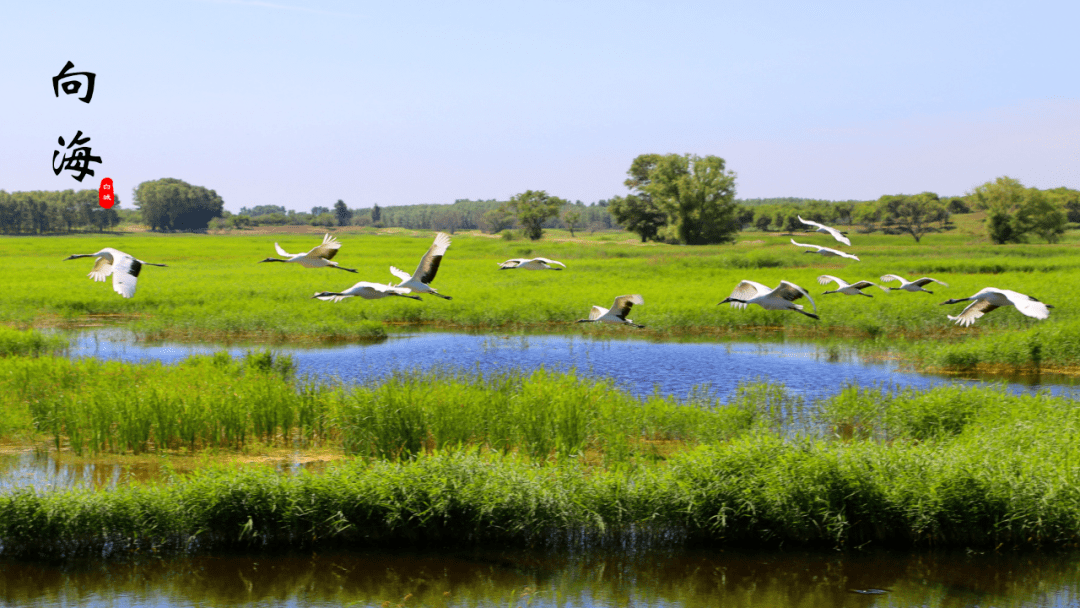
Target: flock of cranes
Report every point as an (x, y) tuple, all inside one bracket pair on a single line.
[(125, 269), (783, 297)]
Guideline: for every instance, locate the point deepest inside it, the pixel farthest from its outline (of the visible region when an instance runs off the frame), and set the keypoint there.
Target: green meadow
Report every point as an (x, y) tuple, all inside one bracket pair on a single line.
[(214, 289)]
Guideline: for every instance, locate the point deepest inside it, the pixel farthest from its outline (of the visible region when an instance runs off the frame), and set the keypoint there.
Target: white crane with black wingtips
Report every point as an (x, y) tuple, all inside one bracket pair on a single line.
[(365, 290), (319, 256), (836, 234), (825, 251), (851, 289), (531, 264), (782, 297), (906, 285), (989, 298), (425, 272), (617, 313), (123, 267)]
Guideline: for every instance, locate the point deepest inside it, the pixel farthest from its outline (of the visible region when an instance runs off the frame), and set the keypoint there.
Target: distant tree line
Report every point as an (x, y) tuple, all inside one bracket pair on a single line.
[(50, 212), (1013, 212), (485, 215)]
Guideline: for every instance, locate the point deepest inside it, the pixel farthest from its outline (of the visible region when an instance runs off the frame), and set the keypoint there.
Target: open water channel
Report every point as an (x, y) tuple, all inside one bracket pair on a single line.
[(628, 577)]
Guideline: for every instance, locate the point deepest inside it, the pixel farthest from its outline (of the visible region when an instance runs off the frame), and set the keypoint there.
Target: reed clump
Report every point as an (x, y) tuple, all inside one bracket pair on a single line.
[(91, 406), (216, 401), (29, 342)]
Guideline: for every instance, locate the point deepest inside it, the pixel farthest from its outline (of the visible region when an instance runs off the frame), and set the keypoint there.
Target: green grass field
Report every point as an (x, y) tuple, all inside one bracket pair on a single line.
[(214, 289)]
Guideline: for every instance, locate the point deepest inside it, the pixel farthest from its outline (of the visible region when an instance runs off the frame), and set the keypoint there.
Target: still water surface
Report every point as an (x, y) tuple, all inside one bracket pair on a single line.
[(672, 368), (690, 578)]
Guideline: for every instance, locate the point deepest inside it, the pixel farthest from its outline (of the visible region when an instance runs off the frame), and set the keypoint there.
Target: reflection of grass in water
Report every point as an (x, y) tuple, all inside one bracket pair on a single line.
[(214, 289), (455, 577)]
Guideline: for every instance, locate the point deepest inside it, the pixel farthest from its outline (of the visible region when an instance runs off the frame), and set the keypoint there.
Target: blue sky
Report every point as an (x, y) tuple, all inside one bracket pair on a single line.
[(303, 103)]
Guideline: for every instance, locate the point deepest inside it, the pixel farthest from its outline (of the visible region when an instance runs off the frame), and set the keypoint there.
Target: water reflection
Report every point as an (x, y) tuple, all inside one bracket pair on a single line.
[(41, 470), (672, 368), (474, 578)]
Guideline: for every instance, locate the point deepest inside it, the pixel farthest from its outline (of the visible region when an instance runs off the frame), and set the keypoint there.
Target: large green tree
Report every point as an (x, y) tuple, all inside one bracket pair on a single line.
[(1040, 214), (532, 208), (637, 212), (342, 213), (1001, 198), (173, 204), (698, 196), (1068, 200), (572, 219), (913, 214)]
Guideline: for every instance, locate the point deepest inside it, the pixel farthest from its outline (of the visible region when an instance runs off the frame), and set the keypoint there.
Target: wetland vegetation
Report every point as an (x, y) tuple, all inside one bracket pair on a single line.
[(542, 459), (213, 289), (449, 457)]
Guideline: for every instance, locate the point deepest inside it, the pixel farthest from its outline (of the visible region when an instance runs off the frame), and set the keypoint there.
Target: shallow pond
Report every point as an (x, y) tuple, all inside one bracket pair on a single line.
[(688, 578), (641, 366), (42, 470)]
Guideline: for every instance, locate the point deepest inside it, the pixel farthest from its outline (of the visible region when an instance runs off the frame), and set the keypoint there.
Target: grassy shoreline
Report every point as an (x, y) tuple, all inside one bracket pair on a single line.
[(214, 289)]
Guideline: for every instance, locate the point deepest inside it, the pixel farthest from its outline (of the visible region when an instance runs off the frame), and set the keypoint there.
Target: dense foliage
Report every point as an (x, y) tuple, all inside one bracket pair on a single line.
[(1014, 211), (173, 204), (532, 208), (45, 212)]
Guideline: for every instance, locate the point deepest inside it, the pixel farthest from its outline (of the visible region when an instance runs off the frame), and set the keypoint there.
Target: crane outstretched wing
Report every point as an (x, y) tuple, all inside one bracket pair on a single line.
[(746, 290), (549, 262), (623, 304), (126, 275), (1027, 304), (101, 270), (973, 311), (791, 292), (328, 249), (429, 264)]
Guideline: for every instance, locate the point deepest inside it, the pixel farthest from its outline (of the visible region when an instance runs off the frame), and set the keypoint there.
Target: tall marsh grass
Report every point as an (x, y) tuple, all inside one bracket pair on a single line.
[(93, 407), (29, 342), (543, 458), (216, 401)]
